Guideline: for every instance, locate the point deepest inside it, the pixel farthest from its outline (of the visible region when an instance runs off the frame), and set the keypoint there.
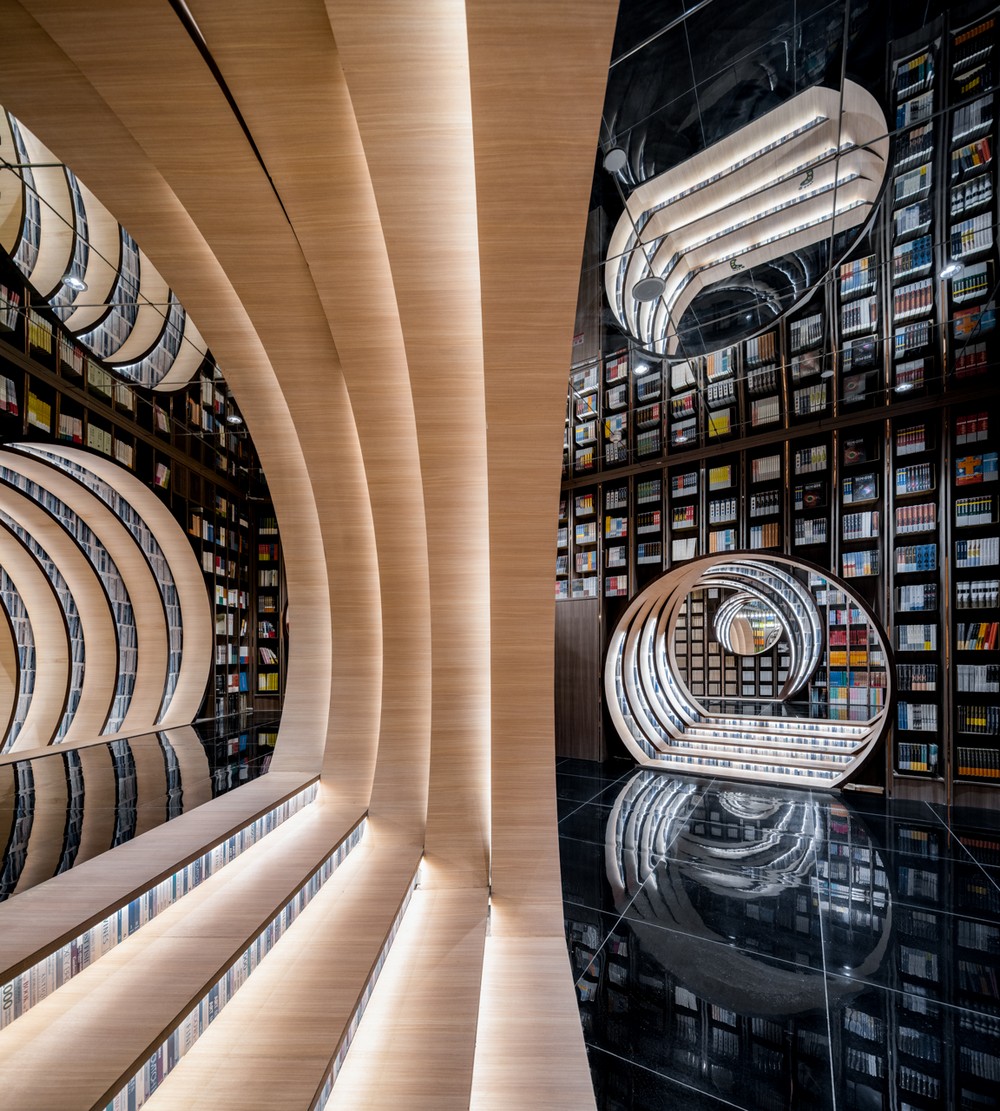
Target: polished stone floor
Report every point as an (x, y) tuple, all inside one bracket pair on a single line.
[(766, 949)]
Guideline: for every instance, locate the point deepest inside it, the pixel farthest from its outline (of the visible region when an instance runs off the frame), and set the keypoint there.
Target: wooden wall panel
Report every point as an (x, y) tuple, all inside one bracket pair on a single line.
[(407, 72), (577, 695), (538, 78), (291, 90)]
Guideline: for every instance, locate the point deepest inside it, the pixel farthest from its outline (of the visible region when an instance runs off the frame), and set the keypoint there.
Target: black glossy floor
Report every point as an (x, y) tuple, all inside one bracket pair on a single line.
[(767, 949)]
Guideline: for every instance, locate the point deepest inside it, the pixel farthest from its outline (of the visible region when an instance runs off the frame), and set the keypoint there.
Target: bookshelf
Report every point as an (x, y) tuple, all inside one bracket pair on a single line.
[(848, 418), (269, 669), (179, 443)]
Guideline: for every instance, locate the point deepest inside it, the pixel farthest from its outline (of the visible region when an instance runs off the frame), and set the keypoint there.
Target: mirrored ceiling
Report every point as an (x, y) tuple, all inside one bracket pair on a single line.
[(781, 109)]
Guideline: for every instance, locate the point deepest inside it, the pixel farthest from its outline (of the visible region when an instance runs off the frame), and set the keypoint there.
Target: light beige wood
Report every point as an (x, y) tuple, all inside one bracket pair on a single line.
[(224, 283), (103, 261), (77, 1046), (55, 244), (39, 921), (551, 61), (304, 126), (48, 698), (528, 1016), (415, 1046), (96, 622), (408, 77), (272, 1045), (11, 191), (150, 317), (48, 823), (413, 192), (8, 672)]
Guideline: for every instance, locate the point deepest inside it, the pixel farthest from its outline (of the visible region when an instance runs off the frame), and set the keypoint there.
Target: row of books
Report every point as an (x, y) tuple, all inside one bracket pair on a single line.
[(978, 719), (973, 511), (976, 636), (984, 678), (917, 677)]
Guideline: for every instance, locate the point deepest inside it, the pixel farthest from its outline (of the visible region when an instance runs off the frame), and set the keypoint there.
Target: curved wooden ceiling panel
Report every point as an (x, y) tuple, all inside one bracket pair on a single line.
[(407, 70), (291, 91), (121, 92), (96, 622)]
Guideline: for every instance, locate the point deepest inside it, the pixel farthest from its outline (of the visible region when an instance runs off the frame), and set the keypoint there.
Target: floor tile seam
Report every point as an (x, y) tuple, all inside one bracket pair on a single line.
[(621, 916), (955, 1007), (829, 1017), (731, 945), (666, 1076), (606, 787), (951, 833)]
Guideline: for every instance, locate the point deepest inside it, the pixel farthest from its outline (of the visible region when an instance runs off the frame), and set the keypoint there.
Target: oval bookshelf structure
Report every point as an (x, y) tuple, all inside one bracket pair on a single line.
[(96, 572), (750, 667)]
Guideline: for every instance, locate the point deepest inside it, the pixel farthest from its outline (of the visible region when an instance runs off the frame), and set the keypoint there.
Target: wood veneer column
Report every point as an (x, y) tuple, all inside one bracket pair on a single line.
[(407, 71), (538, 77), (291, 90)]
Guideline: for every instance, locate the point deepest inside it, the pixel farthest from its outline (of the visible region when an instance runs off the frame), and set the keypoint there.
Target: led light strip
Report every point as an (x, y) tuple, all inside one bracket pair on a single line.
[(30, 987), (155, 1070), (336, 1064)]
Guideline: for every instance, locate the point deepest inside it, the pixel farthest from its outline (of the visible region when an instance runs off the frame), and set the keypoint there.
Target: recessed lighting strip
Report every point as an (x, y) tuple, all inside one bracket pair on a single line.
[(30, 987), (336, 1064), (155, 1070)]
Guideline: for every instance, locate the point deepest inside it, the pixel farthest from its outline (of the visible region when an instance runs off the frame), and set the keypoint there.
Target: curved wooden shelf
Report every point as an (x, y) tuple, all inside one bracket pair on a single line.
[(151, 317), (96, 621), (11, 191), (52, 674), (103, 261), (189, 582), (140, 585), (55, 246)]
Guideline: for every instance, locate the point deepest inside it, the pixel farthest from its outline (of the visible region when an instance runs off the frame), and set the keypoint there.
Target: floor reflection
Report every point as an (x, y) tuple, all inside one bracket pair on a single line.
[(770, 949), (64, 807)]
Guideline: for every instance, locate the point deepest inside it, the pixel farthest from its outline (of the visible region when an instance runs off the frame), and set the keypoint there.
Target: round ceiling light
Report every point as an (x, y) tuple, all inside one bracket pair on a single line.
[(615, 159), (234, 418), (648, 289), (75, 283), (951, 270), (902, 387)]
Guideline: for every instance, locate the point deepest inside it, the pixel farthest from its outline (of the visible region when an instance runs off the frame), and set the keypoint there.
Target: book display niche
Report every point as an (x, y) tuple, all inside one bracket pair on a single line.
[(854, 430), (751, 667)]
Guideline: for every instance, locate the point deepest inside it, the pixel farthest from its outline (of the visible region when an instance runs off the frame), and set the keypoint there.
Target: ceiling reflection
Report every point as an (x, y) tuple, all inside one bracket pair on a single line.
[(65, 807), (692, 864), (687, 76)]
